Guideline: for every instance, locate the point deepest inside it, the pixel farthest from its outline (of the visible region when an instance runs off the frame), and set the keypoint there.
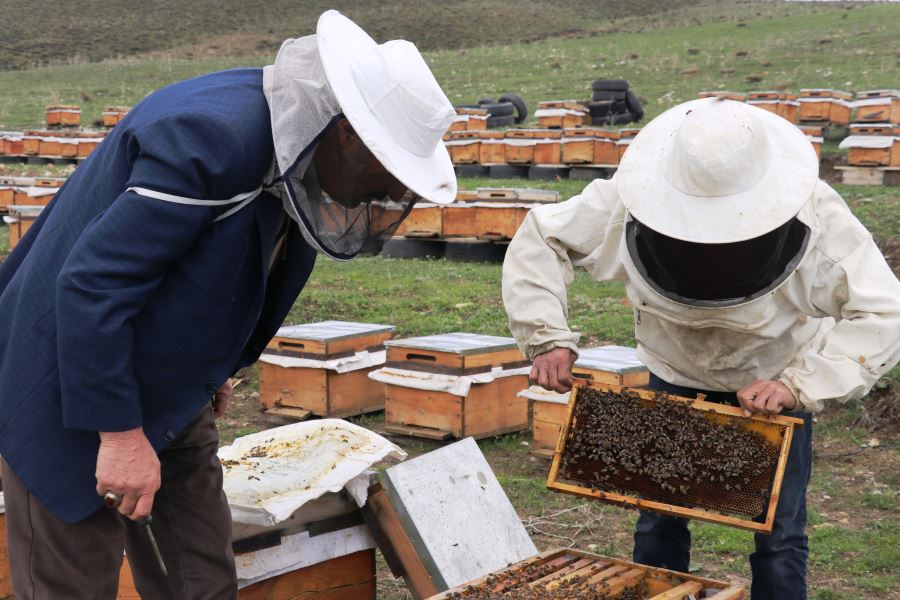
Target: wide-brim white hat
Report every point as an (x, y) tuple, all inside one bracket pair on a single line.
[(717, 171), (393, 102)]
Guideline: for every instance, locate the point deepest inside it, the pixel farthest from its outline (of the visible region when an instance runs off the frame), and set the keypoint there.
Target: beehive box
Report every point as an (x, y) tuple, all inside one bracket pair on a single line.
[(499, 221), (878, 106), (565, 573), (578, 146), (113, 114), (871, 150), (30, 144), (615, 365), (86, 146), (492, 150), (59, 115), (13, 145), (520, 144), (677, 456), (561, 118), (33, 195), (20, 220), (463, 147), (824, 105), (458, 220), (321, 369), (547, 149), (535, 196), (454, 385), (874, 129), (425, 220)]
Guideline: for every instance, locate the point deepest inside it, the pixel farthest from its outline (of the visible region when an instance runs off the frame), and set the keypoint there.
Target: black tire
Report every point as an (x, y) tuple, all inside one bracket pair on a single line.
[(507, 171), (599, 109), (504, 121), (547, 173), (622, 119), (413, 248), (518, 103), (471, 171), (487, 101), (634, 105), (499, 109), (615, 96), (609, 84), (475, 252)]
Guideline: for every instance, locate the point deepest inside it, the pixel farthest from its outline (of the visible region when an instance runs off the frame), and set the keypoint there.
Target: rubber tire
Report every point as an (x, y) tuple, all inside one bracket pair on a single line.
[(599, 109), (622, 118), (609, 85), (499, 109), (475, 252), (505, 121), (487, 101), (413, 248), (518, 103), (634, 105), (616, 96)]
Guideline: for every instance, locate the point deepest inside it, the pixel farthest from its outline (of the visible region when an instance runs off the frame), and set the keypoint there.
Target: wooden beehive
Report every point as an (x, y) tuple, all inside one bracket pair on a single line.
[(621, 148), (33, 195), (818, 105), (492, 150), (60, 115), (707, 501), (547, 149), (425, 220), (520, 145), (612, 365), (316, 384), (565, 572), (30, 145), (788, 109), (464, 147), (86, 146), (7, 195), (489, 407), (113, 114), (605, 150), (50, 146), (13, 145), (878, 106), (68, 148), (872, 129), (349, 577), (516, 195), (869, 150), (458, 220), (578, 146), (499, 221)]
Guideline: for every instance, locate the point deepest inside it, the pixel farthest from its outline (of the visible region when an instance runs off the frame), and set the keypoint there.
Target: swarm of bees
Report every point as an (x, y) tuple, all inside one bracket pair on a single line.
[(665, 450), (514, 585)]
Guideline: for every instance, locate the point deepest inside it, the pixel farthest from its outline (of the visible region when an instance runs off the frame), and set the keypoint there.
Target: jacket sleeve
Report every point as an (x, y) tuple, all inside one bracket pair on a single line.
[(857, 289), (540, 261), (183, 170)]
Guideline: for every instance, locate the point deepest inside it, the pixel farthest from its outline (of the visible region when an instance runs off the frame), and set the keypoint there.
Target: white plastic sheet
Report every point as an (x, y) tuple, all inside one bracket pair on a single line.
[(538, 393), (867, 141), (360, 360), (458, 385), (270, 474)]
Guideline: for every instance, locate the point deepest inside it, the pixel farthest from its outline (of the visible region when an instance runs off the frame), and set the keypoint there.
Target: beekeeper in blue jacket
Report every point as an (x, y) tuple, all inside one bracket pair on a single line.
[(165, 264)]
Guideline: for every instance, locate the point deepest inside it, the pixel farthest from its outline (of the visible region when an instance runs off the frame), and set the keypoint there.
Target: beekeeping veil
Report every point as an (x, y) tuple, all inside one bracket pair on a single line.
[(714, 190), (395, 107)]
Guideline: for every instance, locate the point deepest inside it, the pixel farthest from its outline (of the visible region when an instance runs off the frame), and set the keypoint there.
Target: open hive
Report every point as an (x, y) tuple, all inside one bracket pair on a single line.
[(678, 456), (573, 575)]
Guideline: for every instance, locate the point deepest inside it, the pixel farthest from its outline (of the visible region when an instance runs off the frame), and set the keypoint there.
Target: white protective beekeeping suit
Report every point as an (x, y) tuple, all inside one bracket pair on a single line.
[(827, 327)]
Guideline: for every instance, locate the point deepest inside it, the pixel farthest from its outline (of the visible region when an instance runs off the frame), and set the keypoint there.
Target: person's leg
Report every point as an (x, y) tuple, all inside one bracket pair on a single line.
[(779, 563), (191, 523), (49, 558), (662, 541)]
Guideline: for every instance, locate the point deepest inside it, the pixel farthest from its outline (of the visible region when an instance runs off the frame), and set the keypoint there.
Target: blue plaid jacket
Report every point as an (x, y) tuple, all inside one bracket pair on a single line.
[(143, 285)]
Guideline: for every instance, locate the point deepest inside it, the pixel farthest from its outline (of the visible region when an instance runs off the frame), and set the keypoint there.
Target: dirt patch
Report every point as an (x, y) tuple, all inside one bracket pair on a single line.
[(891, 250)]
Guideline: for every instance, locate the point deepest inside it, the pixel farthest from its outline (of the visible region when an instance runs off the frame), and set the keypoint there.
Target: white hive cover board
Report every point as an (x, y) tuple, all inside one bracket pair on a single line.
[(457, 343), (325, 331), (456, 514), (613, 359)]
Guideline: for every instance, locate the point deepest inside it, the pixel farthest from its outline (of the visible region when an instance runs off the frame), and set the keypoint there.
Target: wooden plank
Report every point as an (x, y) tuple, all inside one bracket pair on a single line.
[(862, 176), (568, 570), (422, 432), (294, 414), (681, 592), (495, 407), (390, 529), (729, 593), (350, 577)]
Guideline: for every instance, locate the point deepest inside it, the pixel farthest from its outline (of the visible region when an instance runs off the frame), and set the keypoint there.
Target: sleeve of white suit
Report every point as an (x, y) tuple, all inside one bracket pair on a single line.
[(540, 261), (862, 294)]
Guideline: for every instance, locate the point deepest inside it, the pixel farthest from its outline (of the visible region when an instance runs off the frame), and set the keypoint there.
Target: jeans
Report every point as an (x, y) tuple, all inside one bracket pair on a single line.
[(779, 563)]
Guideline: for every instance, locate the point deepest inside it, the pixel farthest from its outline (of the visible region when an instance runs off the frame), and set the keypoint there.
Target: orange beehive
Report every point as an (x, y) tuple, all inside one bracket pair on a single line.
[(578, 145), (321, 369), (464, 147), (547, 149), (492, 150), (454, 385), (878, 106), (86, 146), (113, 114), (22, 218), (425, 220), (520, 145)]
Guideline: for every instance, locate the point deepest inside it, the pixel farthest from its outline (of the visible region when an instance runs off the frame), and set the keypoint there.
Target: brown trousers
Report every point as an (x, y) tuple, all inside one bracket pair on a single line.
[(53, 560)]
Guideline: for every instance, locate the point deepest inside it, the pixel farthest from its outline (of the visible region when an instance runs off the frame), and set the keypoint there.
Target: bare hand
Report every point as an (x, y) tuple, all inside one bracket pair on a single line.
[(128, 466), (766, 397), (222, 400), (553, 370)]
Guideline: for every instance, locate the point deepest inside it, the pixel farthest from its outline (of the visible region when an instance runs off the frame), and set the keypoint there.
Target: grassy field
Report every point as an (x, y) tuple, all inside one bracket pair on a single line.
[(668, 51)]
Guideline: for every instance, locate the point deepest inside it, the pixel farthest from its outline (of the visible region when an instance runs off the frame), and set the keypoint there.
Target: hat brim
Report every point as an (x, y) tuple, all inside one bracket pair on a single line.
[(785, 186), (431, 177)]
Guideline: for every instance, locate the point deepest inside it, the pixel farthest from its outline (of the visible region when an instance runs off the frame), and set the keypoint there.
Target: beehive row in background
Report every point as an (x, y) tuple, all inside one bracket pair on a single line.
[(69, 116), (50, 144)]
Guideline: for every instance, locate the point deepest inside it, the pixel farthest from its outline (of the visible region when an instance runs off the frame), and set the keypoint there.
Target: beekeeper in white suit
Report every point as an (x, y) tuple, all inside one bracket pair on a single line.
[(751, 282)]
